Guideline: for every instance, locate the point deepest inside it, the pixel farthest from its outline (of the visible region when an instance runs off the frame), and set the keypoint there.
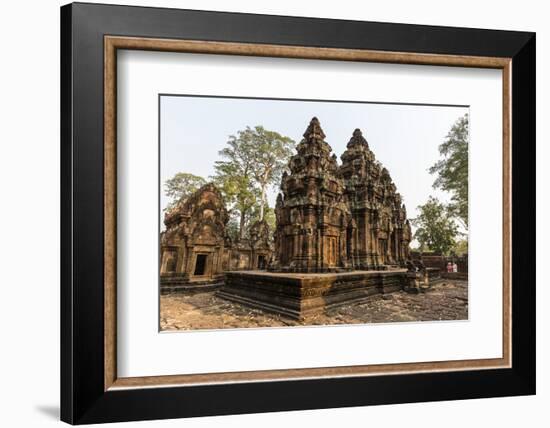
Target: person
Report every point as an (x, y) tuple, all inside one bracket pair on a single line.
[(455, 267), (449, 267)]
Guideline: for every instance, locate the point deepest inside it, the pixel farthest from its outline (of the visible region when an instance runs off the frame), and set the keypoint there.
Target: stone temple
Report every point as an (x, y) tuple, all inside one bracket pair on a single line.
[(314, 221), (381, 232), (342, 233), (195, 248)]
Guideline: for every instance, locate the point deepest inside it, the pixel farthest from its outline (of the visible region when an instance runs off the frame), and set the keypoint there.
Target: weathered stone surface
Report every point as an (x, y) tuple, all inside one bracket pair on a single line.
[(381, 232), (431, 259), (302, 295), (463, 276), (313, 218), (253, 252), (341, 234), (195, 248), (193, 245), (422, 280), (334, 218), (446, 300)]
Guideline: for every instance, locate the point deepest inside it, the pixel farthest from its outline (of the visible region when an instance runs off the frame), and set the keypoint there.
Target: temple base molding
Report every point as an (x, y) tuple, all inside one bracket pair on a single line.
[(181, 284), (302, 296)]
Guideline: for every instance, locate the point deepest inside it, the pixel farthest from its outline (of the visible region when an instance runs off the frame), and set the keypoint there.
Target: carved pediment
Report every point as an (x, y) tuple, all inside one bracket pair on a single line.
[(201, 218)]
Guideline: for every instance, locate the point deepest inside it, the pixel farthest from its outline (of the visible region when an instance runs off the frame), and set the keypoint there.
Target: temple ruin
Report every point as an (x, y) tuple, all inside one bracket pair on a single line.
[(334, 218), (381, 232), (253, 252), (194, 242), (195, 250), (313, 217), (341, 234)]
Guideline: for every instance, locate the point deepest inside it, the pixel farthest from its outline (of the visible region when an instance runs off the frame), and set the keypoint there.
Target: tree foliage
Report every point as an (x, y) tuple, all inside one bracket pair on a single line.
[(270, 152), (253, 160), (461, 247), (452, 169), (269, 216), (181, 186), (233, 178), (436, 228), (232, 229)]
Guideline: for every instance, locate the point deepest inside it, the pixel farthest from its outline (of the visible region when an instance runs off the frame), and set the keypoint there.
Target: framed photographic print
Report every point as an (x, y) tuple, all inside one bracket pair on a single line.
[(265, 213)]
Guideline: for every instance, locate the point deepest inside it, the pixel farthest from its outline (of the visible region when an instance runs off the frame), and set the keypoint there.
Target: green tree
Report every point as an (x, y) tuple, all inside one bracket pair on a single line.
[(452, 169), (461, 247), (270, 153), (232, 229), (436, 228), (269, 216), (181, 186), (253, 160), (234, 179)]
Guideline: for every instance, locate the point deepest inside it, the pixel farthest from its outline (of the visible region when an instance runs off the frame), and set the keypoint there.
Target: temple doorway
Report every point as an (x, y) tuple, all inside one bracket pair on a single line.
[(200, 264), (261, 262), (170, 264)]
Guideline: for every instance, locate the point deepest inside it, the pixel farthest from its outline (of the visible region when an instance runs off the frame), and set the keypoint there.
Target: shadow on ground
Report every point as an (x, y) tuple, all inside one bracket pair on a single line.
[(50, 411)]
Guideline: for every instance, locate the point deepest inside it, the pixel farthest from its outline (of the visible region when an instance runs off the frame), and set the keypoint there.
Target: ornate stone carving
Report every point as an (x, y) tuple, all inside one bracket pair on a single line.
[(313, 217), (254, 252), (193, 244), (195, 249), (261, 245), (383, 232), (330, 220)]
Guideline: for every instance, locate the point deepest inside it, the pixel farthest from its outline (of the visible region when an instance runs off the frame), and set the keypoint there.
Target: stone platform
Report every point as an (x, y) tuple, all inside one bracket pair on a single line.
[(181, 284), (300, 296)]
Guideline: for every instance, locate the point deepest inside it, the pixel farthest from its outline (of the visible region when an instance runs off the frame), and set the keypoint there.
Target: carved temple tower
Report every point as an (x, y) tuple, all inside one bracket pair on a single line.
[(383, 232), (193, 244), (344, 227), (313, 218)]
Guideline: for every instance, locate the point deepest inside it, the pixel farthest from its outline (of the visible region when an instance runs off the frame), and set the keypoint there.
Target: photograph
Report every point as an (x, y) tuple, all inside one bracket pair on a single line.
[(294, 212), (282, 210)]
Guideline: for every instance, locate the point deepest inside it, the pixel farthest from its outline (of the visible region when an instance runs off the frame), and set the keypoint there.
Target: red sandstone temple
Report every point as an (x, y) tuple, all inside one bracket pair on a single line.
[(341, 235), (334, 218), (195, 249)]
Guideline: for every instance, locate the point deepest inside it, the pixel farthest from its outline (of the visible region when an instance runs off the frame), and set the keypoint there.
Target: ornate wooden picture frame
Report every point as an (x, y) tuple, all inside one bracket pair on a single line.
[(91, 390)]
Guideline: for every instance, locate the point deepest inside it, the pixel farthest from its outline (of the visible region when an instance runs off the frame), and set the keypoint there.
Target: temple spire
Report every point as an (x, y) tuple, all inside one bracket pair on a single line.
[(357, 139), (314, 131)]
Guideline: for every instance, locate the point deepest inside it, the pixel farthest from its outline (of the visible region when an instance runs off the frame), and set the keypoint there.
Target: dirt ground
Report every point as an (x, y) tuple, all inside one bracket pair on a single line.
[(444, 301)]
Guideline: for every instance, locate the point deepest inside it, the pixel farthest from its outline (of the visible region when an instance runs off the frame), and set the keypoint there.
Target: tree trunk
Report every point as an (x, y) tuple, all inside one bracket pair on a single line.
[(262, 203), (241, 225)]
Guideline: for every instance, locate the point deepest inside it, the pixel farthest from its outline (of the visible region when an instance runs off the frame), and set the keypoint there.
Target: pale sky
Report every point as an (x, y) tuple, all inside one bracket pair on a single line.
[(404, 138)]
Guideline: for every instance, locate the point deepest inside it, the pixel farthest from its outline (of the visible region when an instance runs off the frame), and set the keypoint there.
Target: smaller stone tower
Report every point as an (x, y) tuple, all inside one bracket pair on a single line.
[(383, 232)]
